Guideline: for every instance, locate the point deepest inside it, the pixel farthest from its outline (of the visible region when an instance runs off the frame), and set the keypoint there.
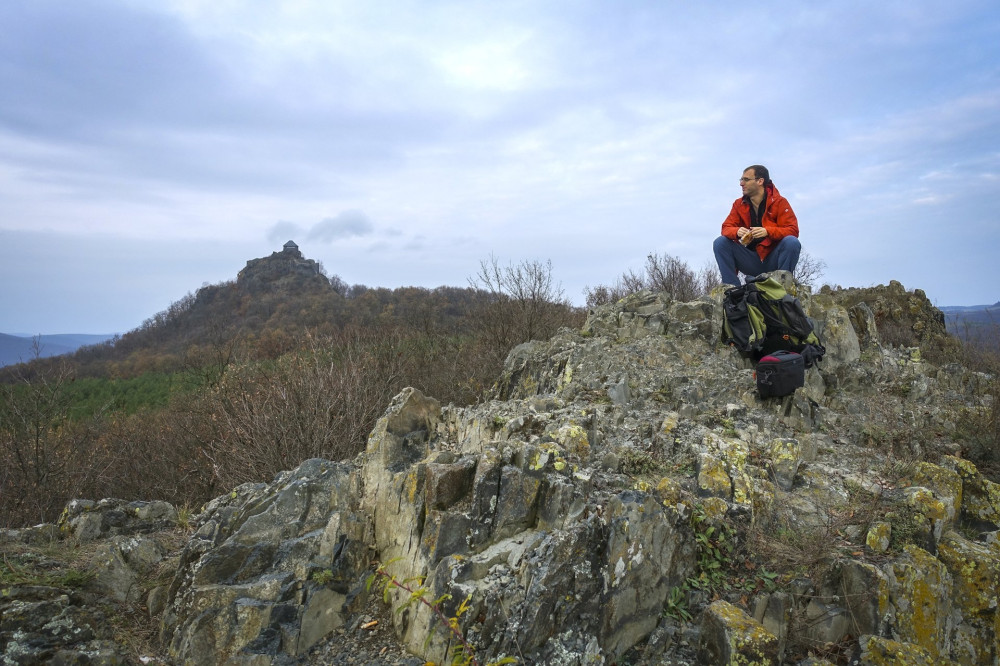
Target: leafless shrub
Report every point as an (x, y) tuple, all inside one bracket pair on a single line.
[(157, 454), (663, 273), (321, 401), (522, 303), (30, 417), (44, 455), (708, 277), (672, 276), (809, 270)]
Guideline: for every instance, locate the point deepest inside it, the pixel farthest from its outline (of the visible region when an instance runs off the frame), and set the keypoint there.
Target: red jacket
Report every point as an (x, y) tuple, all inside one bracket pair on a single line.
[(779, 220)]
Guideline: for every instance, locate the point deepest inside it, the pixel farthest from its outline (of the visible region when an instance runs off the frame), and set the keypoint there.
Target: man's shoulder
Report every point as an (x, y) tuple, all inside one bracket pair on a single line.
[(775, 195)]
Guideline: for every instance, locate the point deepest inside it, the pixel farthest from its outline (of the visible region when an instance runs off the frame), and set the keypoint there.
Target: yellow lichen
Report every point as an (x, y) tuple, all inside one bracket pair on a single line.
[(712, 478), (943, 481), (976, 573), (924, 501), (880, 651), (574, 439), (411, 484), (925, 585), (565, 379), (878, 537), (714, 508), (668, 490)]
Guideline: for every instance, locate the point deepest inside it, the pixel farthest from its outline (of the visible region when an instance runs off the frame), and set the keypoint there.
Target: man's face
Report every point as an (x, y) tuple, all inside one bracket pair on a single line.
[(751, 184)]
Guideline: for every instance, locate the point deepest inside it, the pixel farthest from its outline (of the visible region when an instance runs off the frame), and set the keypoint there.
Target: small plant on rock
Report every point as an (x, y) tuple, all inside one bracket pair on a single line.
[(676, 606), (462, 654), (323, 576), (635, 462), (185, 516), (715, 549)]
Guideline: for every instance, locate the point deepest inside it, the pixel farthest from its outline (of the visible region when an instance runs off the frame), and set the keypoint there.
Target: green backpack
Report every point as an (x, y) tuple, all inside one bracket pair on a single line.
[(761, 317)]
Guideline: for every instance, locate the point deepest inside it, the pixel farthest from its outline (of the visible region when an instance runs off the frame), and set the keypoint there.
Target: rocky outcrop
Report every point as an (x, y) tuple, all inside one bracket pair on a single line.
[(901, 317), (270, 570), (85, 520), (48, 625), (286, 269), (626, 497), (65, 615)]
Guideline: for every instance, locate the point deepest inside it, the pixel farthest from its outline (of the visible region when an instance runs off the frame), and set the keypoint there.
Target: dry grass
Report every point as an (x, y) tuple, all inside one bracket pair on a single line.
[(67, 565)]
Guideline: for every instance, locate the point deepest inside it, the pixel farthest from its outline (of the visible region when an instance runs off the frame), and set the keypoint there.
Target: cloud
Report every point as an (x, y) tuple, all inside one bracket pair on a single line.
[(344, 225), (348, 224), (283, 231)]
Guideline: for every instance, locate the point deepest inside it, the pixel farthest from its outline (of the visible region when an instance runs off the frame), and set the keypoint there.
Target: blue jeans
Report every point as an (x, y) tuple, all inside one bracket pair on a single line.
[(733, 257)]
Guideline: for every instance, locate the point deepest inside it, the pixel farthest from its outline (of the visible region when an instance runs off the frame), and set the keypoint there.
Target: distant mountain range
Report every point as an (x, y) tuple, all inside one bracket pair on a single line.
[(973, 322), (15, 349)]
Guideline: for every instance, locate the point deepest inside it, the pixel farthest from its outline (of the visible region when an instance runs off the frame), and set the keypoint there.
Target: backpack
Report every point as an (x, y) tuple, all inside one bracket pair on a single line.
[(761, 317)]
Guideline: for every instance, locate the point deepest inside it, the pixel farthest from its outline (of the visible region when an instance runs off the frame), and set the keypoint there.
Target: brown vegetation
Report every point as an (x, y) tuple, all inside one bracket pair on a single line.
[(258, 378)]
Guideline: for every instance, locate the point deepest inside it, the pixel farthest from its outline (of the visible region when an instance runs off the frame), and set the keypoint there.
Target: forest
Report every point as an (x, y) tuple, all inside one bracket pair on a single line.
[(243, 379)]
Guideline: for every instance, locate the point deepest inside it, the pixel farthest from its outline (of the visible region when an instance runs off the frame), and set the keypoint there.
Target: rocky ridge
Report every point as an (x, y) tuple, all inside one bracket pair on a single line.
[(624, 498), (282, 270)]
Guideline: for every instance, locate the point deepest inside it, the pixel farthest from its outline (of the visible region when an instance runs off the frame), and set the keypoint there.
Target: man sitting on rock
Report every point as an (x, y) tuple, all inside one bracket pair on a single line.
[(761, 232)]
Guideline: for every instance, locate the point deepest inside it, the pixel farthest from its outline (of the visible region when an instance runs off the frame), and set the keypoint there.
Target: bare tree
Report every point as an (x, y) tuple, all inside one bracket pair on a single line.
[(522, 302), (672, 276), (809, 269), (708, 277), (321, 401), (663, 273), (43, 452)]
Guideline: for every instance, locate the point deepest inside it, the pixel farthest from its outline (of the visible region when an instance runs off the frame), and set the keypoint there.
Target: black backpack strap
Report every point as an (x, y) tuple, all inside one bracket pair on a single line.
[(812, 354), (795, 315), (735, 306)]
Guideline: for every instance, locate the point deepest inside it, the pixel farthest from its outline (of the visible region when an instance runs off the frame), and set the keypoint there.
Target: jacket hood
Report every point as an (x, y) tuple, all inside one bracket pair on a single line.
[(770, 194)]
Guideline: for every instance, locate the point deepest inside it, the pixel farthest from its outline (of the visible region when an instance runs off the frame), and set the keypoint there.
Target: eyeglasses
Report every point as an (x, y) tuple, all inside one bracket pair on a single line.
[(747, 180)]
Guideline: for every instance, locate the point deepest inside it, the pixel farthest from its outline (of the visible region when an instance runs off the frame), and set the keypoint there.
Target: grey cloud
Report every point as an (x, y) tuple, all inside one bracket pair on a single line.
[(283, 231), (80, 69), (348, 224), (108, 88)]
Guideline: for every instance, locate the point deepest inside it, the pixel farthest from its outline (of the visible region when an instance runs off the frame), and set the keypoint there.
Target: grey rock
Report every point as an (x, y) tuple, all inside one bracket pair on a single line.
[(41, 625), (121, 563), (87, 520), (730, 636)]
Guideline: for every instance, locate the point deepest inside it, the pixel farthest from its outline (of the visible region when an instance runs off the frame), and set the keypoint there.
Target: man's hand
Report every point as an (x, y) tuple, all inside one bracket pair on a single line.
[(746, 235)]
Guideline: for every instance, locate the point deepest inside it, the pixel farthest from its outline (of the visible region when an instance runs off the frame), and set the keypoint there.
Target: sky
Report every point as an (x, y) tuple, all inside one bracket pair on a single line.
[(150, 148)]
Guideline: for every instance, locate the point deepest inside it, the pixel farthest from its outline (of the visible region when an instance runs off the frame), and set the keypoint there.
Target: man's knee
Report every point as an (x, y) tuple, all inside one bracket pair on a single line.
[(787, 252), (721, 244), (790, 244)]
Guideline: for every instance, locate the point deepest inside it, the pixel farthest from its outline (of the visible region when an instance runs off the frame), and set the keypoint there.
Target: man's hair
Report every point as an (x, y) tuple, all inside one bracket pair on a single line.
[(760, 171)]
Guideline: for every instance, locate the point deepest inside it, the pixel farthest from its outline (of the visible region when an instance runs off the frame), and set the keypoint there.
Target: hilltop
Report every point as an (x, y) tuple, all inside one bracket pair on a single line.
[(623, 496), (265, 309), (196, 398)]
